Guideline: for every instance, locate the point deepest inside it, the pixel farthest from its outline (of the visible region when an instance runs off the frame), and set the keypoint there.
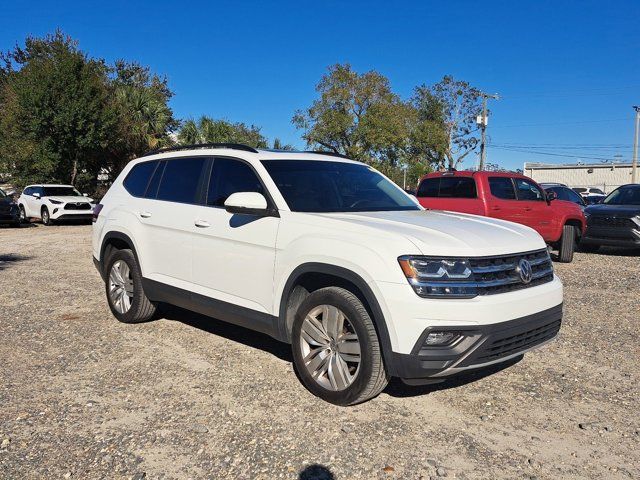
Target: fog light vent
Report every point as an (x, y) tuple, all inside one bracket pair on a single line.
[(438, 339)]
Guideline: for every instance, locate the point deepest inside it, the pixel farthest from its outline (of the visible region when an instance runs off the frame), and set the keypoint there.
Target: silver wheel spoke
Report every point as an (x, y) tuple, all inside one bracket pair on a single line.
[(330, 347), (120, 286)]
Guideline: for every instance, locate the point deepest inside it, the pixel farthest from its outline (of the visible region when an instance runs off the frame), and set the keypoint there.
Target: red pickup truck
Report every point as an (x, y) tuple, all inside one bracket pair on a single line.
[(508, 196)]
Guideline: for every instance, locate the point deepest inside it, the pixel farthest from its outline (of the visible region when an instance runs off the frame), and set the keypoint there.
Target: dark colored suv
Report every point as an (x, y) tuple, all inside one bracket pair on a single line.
[(614, 222)]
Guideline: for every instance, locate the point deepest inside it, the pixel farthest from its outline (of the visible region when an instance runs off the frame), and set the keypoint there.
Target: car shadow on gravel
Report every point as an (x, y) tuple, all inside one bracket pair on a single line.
[(231, 332), (8, 259), (397, 388)]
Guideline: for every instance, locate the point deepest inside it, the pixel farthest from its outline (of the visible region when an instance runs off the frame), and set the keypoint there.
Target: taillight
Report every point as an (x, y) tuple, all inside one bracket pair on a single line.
[(96, 212)]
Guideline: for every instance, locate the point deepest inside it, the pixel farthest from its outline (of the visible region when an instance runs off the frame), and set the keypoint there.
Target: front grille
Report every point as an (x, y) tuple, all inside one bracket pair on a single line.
[(615, 222), (500, 274), (509, 345), (78, 206)]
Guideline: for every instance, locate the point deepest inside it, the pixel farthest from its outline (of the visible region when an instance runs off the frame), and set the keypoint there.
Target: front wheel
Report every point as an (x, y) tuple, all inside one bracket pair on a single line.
[(46, 218), (567, 244), (23, 214), (336, 350)]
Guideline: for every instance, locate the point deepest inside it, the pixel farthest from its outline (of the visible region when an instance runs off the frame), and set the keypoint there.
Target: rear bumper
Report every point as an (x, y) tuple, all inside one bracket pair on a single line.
[(479, 345)]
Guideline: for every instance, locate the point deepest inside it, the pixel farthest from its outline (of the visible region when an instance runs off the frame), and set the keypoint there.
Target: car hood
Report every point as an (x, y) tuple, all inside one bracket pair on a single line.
[(437, 232), (6, 200), (71, 199), (626, 211)]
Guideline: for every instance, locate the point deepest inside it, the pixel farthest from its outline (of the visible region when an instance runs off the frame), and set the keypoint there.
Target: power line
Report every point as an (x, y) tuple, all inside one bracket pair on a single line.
[(573, 93), (626, 119), (553, 154)]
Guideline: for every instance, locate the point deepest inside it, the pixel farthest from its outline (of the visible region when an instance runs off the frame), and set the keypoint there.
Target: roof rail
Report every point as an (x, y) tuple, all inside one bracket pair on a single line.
[(332, 154), (234, 146)]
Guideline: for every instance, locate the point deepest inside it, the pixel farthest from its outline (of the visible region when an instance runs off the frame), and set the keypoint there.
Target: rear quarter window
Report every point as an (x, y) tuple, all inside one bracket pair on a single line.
[(138, 178)]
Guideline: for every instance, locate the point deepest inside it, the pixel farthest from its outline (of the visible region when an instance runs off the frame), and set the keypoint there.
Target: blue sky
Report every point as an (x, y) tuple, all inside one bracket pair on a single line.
[(568, 72)]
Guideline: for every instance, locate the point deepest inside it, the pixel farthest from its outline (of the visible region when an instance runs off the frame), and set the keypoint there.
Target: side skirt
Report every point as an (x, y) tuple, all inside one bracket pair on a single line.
[(227, 312)]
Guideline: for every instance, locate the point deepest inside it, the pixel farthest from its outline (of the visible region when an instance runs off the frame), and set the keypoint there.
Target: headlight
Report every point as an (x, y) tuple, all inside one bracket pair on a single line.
[(55, 202), (439, 277)]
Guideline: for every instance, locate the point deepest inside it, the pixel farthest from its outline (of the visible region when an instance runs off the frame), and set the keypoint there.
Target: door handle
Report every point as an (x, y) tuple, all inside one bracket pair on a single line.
[(495, 208), (527, 209), (202, 224), (145, 214)]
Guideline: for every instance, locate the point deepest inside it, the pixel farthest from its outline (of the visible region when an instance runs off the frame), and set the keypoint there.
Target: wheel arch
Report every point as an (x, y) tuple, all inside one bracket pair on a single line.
[(117, 240), (312, 276)]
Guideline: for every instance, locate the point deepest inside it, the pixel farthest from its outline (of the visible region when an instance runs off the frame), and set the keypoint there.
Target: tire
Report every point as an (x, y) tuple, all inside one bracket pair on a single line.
[(136, 307), (589, 248), (316, 357), (46, 217), (567, 244), (23, 215)]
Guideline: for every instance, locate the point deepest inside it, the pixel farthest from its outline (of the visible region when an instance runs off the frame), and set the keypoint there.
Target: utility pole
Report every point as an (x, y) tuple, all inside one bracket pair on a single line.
[(634, 164), (482, 121)]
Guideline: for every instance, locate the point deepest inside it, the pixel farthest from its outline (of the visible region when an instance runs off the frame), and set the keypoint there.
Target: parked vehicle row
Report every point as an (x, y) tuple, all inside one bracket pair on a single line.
[(330, 256), (507, 196)]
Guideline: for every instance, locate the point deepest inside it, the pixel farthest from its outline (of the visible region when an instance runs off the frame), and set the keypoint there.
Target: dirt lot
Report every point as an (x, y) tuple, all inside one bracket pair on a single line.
[(82, 396)]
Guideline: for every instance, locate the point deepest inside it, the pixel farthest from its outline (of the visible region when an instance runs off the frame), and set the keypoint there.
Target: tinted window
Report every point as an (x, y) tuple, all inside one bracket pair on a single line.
[(28, 191), (451, 187), (322, 186), (61, 192), (181, 179), (502, 187), (231, 176), (573, 196), (624, 196), (579, 190), (138, 178), (560, 192), (596, 190), (528, 191), (154, 183), (429, 187)]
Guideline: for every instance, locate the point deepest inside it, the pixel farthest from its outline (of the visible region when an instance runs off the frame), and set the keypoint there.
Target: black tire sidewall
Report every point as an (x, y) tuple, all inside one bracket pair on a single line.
[(126, 256), (351, 393), (567, 243), (45, 210)]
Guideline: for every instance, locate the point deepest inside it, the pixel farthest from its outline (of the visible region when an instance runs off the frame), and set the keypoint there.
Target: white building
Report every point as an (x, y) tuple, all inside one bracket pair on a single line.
[(606, 176)]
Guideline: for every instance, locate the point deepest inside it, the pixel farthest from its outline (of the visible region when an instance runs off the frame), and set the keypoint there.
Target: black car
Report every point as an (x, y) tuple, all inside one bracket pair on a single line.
[(564, 193), (615, 221), (9, 212)]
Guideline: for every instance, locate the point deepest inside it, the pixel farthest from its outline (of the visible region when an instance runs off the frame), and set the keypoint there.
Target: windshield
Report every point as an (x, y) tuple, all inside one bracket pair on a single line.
[(321, 186), (624, 196), (2, 194), (60, 192)]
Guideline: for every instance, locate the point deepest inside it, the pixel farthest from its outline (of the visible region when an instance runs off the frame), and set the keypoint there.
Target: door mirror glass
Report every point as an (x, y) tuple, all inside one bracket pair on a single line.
[(36, 194), (551, 195), (248, 203)]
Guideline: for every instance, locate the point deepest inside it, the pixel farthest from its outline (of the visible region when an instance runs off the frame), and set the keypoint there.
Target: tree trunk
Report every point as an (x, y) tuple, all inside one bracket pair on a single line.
[(74, 172)]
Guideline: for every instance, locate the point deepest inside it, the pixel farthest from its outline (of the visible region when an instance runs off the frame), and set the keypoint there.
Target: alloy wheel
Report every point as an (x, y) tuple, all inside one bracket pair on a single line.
[(121, 286), (330, 347)]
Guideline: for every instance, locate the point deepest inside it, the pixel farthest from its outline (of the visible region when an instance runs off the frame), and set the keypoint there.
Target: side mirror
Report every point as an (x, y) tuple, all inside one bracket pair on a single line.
[(36, 195), (551, 196), (249, 203), (85, 194)]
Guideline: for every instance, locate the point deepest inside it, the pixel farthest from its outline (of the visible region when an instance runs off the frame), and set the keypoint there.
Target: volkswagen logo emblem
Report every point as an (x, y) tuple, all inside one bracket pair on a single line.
[(524, 270)]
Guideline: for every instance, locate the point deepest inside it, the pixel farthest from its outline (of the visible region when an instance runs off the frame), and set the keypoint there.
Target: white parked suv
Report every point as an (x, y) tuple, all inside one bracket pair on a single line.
[(54, 202), (328, 255)]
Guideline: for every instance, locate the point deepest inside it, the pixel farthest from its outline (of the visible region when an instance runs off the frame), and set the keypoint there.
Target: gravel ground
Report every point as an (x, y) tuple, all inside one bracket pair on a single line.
[(83, 396)]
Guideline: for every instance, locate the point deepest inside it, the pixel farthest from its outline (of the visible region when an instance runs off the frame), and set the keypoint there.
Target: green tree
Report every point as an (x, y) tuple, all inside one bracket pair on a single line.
[(356, 115), (278, 145), (52, 120), (209, 130), (454, 104)]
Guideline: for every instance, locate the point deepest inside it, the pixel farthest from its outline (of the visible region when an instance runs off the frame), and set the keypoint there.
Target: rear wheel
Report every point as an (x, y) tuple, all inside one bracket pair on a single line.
[(123, 285), (567, 244), (336, 350), (46, 218), (23, 214)]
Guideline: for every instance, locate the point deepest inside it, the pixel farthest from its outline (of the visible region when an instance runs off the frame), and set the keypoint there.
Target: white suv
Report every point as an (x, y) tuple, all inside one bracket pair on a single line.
[(54, 202), (326, 254)]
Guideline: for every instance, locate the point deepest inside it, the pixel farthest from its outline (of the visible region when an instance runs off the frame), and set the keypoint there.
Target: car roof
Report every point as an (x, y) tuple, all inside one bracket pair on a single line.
[(257, 154), (49, 185), (474, 173)]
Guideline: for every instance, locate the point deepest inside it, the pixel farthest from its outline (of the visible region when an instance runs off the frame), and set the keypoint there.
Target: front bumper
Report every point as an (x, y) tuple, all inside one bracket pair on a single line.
[(479, 345), (11, 217), (612, 236)]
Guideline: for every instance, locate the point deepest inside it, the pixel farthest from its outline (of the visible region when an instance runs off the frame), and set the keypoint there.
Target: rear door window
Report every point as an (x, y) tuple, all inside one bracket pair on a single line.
[(502, 187), (181, 180), (138, 178)]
